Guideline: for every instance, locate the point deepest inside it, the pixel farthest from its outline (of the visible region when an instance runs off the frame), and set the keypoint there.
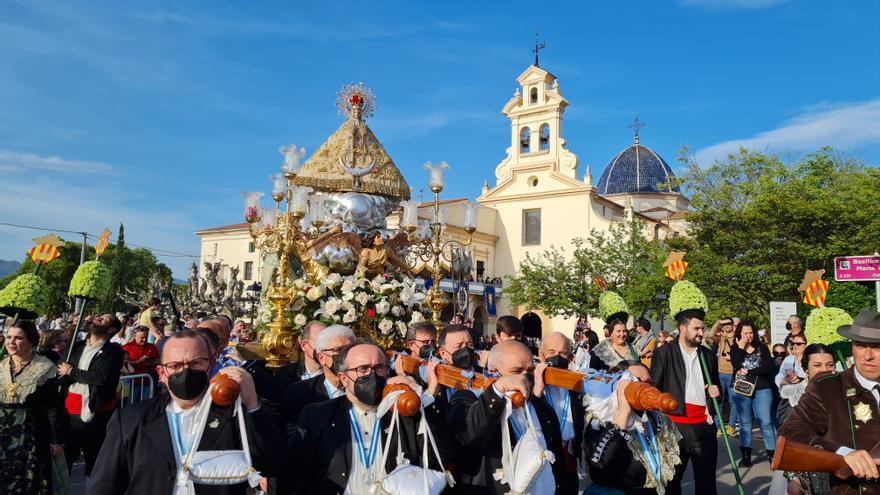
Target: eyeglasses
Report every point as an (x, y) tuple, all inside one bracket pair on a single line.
[(379, 369), (423, 341), (796, 344), (333, 351), (198, 364)]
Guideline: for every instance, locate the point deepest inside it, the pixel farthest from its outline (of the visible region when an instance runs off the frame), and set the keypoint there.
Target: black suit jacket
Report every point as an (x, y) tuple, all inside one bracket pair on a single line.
[(138, 457), (319, 451), (668, 373), (102, 377), (477, 426), (301, 394)]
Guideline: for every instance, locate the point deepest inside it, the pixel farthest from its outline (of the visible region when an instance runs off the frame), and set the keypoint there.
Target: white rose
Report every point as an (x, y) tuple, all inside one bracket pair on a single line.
[(349, 316), (332, 305), (347, 286), (362, 298), (347, 306), (405, 295), (315, 293), (385, 325), (417, 317), (382, 307), (332, 280), (401, 327), (397, 311), (300, 319)]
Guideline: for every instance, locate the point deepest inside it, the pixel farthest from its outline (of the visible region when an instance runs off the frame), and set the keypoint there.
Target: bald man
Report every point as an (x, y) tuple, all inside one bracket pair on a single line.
[(555, 352), (323, 447), (477, 423)]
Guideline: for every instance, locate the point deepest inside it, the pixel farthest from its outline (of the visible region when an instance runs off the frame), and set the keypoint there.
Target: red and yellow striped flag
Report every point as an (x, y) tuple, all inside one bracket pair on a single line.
[(46, 249), (675, 265), (103, 241), (816, 292)]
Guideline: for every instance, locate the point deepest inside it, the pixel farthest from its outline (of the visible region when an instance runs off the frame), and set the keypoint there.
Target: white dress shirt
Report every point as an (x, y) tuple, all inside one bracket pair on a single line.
[(360, 477), (695, 388)]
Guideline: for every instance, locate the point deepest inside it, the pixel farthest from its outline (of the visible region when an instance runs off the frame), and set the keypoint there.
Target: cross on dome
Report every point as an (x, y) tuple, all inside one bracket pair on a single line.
[(636, 125)]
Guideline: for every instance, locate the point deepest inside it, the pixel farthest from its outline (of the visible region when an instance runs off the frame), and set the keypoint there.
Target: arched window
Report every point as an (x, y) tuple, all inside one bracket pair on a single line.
[(533, 96), (544, 139), (525, 136)]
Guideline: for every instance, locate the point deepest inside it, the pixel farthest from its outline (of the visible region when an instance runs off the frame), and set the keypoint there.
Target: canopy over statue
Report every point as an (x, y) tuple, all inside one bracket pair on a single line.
[(352, 159)]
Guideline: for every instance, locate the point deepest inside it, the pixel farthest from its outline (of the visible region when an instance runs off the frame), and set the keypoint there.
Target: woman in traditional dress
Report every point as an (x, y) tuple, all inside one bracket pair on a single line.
[(616, 348), (30, 418)]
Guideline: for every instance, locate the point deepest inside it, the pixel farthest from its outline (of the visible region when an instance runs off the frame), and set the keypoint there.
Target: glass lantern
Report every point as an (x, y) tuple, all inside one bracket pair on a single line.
[(301, 200), (252, 206), (279, 187), (435, 179), (292, 160), (267, 220), (470, 214), (410, 214)]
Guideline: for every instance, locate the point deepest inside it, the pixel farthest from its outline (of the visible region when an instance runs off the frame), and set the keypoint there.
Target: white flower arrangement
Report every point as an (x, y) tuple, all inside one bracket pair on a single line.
[(382, 307)]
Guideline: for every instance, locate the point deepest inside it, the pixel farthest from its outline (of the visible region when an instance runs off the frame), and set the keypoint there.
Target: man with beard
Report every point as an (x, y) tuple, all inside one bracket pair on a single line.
[(148, 442), (477, 422), (568, 405), (324, 386), (676, 369), (337, 446), (90, 380)]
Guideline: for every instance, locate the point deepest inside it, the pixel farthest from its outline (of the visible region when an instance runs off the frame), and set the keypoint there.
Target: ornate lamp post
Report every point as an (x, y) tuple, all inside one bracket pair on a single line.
[(274, 232), (431, 249)]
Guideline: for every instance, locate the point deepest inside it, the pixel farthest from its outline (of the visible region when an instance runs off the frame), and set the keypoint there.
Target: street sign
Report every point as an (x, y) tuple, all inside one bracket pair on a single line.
[(779, 313), (857, 268)]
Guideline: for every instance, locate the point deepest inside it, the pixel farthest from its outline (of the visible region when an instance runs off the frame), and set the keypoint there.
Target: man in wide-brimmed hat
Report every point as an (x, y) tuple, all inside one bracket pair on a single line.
[(840, 412)]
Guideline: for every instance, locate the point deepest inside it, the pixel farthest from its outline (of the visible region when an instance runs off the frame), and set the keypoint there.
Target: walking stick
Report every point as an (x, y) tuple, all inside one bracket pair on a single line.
[(708, 378)]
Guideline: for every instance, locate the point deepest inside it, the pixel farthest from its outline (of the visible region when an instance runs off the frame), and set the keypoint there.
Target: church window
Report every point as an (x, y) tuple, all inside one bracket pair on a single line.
[(544, 138), (248, 270), (533, 96), (525, 137), (531, 227)]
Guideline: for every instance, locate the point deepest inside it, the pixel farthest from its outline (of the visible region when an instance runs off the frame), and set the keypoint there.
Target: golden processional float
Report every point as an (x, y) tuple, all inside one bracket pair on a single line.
[(328, 251)]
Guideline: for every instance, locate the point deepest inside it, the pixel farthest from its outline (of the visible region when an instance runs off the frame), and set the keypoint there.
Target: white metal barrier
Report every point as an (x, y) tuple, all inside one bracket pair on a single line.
[(135, 388)]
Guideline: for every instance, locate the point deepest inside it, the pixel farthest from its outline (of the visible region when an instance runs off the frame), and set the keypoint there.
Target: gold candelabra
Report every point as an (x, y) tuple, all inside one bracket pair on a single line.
[(275, 231), (433, 250)]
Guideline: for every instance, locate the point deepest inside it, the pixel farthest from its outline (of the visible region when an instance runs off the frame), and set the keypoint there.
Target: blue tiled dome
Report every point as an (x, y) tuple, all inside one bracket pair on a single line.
[(636, 169)]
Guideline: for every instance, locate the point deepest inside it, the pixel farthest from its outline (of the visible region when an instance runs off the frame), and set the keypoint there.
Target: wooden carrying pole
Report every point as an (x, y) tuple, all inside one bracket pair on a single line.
[(800, 457)]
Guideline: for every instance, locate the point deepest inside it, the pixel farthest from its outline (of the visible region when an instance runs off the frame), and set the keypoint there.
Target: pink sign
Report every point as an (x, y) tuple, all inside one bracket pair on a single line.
[(857, 268)]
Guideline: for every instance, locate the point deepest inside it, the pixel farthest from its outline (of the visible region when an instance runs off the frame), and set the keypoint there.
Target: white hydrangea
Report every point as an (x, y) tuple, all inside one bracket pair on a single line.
[(383, 306)]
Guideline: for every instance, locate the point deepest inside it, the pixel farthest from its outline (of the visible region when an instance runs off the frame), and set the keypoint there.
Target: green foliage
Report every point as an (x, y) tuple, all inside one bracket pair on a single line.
[(27, 296), (851, 297), (610, 303), (822, 324), (758, 224), (90, 281), (560, 284), (686, 295)]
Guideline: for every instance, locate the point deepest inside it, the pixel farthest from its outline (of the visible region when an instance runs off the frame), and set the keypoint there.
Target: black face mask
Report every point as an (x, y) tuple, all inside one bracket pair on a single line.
[(426, 351), (787, 326), (368, 389), (463, 358), (557, 362), (188, 384)]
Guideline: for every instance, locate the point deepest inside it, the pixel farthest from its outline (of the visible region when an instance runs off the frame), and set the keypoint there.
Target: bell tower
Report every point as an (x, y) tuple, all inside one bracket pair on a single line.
[(535, 114)]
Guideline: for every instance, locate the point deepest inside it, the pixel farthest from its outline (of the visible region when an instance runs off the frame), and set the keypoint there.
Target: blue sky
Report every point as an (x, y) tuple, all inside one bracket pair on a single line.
[(157, 114)]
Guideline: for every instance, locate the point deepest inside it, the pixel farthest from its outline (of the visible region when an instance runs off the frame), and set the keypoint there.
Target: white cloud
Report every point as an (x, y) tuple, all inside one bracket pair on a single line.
[(841, 126), (14, 161), (733, 4)]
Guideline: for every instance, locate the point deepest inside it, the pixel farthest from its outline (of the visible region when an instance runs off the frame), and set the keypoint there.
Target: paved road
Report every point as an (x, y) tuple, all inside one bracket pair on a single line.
[(756, 480)]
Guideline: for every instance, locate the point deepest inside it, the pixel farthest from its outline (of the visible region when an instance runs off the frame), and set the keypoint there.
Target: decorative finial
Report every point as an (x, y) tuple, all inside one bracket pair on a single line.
[(636, 125), (356, 101), (538, 46)]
